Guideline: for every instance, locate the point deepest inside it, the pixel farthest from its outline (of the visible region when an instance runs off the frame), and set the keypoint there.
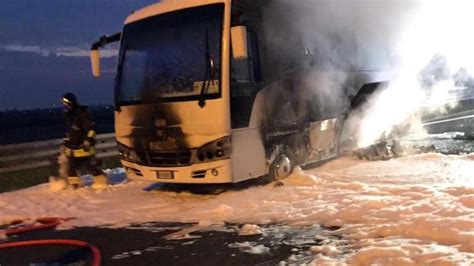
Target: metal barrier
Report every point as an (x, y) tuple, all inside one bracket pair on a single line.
[(32, 155)]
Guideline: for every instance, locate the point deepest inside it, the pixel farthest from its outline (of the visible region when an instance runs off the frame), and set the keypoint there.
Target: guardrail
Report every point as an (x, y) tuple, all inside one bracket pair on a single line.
[(32, 155)]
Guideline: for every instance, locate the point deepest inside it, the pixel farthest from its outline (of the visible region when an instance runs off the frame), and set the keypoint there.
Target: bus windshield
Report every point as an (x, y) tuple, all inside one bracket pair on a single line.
[(165, 58)]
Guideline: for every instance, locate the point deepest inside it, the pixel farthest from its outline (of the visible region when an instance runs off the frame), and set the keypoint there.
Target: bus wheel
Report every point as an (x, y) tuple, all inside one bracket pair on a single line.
[(281, 167)]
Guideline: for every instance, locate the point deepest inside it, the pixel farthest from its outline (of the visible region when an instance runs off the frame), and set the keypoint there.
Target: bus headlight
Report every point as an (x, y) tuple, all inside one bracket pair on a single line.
[(127, 153), (216, 150)]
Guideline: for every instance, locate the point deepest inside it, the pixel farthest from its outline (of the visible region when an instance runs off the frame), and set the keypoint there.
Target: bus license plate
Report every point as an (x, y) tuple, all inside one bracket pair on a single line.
[(164, 175)]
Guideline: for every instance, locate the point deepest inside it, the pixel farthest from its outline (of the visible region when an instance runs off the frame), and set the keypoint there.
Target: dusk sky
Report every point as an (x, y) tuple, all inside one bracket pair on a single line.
[(44, 49)]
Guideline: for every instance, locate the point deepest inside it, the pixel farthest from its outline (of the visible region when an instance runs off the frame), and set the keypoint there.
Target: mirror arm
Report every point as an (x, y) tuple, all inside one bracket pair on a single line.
[(104, 40)]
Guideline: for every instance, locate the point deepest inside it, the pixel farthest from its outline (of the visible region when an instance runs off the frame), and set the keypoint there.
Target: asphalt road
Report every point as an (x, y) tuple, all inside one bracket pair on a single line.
[(172, 244)]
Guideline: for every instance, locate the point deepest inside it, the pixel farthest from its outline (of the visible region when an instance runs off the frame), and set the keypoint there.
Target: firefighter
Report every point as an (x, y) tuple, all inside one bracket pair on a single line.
[(78, 151)]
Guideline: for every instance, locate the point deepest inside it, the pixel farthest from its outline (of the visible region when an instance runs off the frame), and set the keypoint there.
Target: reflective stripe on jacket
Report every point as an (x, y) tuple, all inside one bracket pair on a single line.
[(78, 153)]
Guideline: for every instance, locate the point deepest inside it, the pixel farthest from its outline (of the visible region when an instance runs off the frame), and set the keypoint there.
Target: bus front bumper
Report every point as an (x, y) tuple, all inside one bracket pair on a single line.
[(217, 172)]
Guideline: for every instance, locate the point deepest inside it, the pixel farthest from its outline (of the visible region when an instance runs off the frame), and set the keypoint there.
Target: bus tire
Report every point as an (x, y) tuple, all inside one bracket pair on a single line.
[(282, 166)]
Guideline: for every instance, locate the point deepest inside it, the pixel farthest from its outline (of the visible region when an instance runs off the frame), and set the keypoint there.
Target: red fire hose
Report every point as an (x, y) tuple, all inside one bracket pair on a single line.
[(44, 223), (40, 223), (96, 260)]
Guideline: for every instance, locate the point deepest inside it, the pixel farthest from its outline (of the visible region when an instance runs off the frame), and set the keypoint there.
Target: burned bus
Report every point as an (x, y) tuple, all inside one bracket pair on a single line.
[(206, 93)]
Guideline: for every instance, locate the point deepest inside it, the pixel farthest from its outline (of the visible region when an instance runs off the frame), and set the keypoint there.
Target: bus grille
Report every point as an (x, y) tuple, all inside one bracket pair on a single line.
[(165, 158)]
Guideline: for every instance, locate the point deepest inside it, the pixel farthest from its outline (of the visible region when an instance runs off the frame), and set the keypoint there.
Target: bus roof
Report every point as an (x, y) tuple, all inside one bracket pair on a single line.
[(165, 6)]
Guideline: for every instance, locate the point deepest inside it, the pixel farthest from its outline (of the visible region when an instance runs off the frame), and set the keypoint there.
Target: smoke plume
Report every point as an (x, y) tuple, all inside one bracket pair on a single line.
[(433, 71), (426, 44)]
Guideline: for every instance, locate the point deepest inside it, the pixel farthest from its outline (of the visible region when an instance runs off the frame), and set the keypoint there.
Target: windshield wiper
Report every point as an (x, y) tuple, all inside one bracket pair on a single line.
[(209, 77)]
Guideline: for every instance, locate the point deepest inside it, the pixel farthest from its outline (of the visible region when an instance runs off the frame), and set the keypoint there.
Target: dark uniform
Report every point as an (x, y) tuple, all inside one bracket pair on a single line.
[(78, 146)]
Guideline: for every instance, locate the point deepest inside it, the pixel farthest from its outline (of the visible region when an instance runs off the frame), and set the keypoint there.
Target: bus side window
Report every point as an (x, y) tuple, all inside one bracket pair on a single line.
[(245, 79)]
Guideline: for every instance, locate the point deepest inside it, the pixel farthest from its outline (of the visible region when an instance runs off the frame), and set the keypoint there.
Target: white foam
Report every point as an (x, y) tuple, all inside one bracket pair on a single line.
[(250, 229), (250, 247), (413, 210)]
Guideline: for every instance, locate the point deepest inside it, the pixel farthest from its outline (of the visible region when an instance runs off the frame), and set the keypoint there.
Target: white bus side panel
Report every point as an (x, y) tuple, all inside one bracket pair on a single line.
[(248, 154)]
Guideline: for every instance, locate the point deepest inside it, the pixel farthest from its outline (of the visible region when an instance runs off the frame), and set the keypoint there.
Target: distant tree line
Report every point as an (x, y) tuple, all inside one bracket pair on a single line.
[(41, 124)]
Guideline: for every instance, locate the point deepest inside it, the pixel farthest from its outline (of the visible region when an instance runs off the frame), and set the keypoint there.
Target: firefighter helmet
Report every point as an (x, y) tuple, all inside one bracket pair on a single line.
[(69, 101)]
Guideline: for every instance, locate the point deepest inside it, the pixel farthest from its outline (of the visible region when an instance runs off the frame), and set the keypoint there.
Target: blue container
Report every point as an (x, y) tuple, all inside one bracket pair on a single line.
[(117, 176), (87, 180)]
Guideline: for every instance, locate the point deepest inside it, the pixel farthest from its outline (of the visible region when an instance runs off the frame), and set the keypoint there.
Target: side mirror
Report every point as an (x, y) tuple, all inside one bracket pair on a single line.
[(95, 55), (95, 62), (239, 42)]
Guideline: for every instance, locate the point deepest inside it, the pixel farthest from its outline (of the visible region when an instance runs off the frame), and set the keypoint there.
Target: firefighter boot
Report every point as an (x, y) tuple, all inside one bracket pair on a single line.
[(57, 184), (100, 182), (75, 182)]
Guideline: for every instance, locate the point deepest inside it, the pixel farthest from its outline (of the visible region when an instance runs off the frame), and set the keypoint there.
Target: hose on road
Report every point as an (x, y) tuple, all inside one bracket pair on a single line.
[(96, 258), (39, 224), (45, 223)]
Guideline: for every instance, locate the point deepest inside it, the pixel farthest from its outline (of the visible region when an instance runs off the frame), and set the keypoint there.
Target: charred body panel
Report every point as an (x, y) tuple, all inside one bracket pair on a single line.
[(171, 134), (305, 113), (306, 92)]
